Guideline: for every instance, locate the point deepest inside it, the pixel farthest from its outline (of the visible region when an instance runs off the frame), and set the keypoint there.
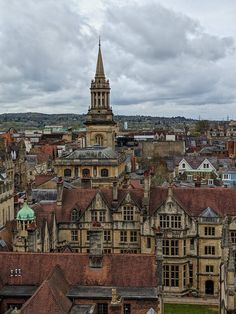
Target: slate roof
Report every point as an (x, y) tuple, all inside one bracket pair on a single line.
[(39, 195), (97, 152), (105, 292)]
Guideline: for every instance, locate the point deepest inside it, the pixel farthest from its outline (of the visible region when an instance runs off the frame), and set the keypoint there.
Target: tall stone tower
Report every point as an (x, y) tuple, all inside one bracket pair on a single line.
[(100, 124)]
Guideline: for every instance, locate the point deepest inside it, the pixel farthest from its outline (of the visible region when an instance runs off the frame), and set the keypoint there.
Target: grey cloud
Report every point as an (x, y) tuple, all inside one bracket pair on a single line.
[(154, 57)]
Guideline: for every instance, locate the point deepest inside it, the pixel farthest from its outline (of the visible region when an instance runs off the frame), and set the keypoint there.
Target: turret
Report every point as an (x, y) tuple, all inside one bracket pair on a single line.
[(25, 239)]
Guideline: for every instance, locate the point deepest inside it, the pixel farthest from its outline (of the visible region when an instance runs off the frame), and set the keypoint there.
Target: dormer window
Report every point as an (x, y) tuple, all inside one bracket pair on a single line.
[(170, 221), (128, 213), (183, 165), (74, 215)]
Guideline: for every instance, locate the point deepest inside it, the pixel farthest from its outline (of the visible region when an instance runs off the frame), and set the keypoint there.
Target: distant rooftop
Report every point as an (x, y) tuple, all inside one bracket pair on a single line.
[(95, 151)]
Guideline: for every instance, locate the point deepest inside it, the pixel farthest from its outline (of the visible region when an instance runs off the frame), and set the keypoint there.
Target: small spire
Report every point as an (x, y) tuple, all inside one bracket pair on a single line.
[(100, 68)]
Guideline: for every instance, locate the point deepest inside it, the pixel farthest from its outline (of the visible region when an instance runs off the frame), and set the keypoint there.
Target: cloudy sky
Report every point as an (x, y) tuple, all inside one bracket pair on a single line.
[(163, 57)]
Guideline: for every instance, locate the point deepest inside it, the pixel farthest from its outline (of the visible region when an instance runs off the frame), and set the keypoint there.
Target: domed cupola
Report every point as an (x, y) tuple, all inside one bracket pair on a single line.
[(25, 213)]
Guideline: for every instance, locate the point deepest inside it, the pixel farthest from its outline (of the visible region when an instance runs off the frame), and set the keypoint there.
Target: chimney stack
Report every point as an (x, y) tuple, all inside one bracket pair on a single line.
[(146, 189), (95, 245), (29, 193), (59, 191), (115, 191)]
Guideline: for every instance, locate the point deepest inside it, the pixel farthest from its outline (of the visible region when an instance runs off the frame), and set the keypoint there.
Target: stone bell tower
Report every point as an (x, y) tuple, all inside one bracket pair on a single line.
[(100, 124)]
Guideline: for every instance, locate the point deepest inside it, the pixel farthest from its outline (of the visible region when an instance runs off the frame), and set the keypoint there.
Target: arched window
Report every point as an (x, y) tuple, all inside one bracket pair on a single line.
[(74, 215), (86, 173), (67, 173), (99, 139), (104, 173)]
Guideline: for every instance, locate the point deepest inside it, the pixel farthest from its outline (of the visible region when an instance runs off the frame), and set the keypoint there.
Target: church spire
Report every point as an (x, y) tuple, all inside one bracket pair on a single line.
[(100, 68), (100, 123)]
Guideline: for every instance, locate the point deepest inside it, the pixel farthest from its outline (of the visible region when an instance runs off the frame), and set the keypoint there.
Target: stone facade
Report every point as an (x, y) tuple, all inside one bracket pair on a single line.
[(163, 149), (190, 222), (6, 187)]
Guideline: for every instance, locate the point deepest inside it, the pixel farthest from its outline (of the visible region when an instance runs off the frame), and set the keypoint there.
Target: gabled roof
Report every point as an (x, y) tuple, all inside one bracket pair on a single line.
[(194, 200), (51, 292), (43, 178), (196, 161), (209, 213), (81, 199)]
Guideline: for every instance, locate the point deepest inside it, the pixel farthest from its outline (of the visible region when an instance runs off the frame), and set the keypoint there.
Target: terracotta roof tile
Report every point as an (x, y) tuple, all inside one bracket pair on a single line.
[(52, 292), (132, 270), (41, 179), (195, 200)]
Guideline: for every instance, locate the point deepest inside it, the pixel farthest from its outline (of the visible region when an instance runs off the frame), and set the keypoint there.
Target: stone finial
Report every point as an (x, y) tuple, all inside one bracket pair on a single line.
[(115, 298)]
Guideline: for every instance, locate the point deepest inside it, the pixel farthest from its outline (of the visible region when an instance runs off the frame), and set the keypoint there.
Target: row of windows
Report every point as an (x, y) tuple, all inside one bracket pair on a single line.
[(5, 188), (124, 237), (171, 275), (170, 221), (98, 215), (128, 214), (170, 247), (107, 236), (86, 173)]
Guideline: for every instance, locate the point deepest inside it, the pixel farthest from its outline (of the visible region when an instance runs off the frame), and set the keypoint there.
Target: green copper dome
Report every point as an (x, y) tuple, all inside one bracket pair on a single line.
[(25, 213)]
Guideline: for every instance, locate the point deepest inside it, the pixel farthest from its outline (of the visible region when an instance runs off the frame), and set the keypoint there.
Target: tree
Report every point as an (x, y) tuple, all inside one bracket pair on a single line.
[(202, 126)]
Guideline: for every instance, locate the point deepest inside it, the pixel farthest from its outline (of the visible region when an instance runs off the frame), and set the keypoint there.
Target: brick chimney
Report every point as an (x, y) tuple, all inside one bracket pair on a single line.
[(59, 191)]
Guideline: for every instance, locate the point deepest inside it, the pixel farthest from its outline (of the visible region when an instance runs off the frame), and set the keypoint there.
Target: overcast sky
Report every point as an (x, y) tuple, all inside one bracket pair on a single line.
[(163, 58)]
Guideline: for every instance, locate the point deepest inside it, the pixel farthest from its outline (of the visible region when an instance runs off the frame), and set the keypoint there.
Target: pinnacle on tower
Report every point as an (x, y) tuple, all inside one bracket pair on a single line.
[(99, 69)]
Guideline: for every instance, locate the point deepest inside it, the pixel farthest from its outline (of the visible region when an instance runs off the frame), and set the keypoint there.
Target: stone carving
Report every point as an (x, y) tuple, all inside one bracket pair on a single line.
[(115, 298)]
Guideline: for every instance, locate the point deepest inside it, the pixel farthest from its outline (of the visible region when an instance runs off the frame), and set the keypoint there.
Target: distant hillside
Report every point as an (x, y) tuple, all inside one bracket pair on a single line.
[(39, 120)]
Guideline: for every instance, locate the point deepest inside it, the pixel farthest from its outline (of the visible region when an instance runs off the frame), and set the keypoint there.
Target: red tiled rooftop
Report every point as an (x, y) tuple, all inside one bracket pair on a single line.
[(133, 270)]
